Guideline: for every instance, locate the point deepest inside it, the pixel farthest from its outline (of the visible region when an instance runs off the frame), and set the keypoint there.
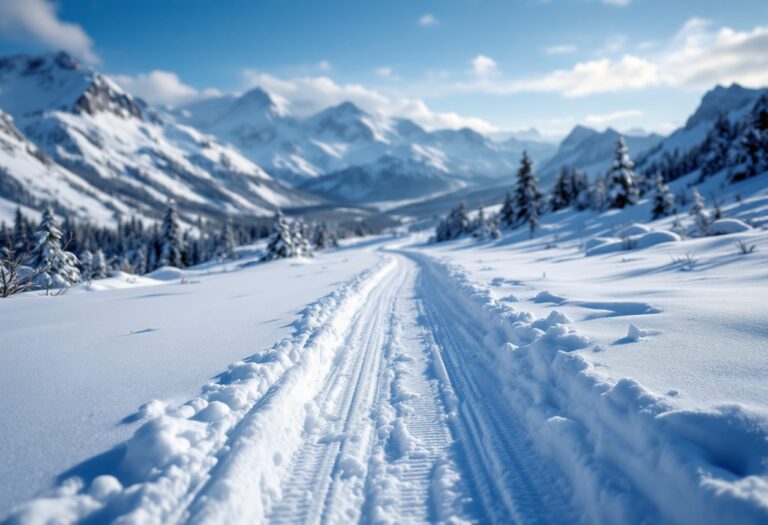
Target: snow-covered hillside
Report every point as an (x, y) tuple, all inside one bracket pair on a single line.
[(117, 144), (591, 152), (343, 137), (31, 178)]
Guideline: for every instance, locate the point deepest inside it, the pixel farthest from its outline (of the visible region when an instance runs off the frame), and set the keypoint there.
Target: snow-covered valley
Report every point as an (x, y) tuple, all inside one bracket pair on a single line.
[(391, 380), (343, 262)]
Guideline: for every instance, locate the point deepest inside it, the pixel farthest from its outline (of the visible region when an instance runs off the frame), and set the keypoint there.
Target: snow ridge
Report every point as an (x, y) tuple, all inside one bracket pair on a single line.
[(615, 442), (166, 468)]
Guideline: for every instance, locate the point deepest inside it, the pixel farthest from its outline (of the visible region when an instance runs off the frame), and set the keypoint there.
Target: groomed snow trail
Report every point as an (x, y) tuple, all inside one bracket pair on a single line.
[(408, 429)]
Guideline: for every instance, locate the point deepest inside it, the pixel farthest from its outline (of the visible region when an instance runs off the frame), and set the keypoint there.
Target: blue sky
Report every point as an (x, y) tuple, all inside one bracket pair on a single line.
[(494, 65)]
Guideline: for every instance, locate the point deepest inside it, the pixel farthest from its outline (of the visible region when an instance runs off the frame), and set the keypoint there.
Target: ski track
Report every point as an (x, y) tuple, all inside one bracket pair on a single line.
[(411, 431), (400, 425)]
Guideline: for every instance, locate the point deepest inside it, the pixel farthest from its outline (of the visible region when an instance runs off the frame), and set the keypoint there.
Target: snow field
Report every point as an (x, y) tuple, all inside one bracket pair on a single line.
[(169, 459), (628, 455)]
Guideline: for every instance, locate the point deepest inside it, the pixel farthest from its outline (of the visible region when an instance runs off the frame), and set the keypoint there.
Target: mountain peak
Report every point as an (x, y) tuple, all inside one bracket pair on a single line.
[(577, 135), (35, 84), (722, 99)]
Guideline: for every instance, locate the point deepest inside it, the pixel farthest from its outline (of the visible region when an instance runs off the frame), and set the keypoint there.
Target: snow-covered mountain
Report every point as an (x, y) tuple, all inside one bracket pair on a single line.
[(592, 151), (388, 179), (30, 178), (734, 102), (342, 137), (109, 141)]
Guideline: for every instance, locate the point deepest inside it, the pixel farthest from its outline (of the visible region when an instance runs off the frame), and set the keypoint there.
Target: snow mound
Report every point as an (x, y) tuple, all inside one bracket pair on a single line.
[(166, 273), (546, 297), (641, 241), (653, 238), (635, 229), (728, 226)]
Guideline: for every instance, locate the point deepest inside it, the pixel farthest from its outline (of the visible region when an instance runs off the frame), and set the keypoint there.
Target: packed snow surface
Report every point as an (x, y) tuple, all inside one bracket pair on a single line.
[(395, 380)]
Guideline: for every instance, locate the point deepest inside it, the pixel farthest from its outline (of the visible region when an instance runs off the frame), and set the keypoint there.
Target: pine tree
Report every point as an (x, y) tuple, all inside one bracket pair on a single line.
[(562, 191), (718, 146), (226, 243), (99, 265), (580, 189), (300, 239), (598, 199), (753, 147), (700, 215), (507, 212), (57, 267), (527, 196), (663, 200), (20, 231), (622, 186), (171, 245), (455, 225), (323, 238), (280, 243), (86, 266)]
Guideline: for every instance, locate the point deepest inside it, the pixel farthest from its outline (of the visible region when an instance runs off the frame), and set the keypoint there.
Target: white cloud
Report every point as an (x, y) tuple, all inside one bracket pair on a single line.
[(161, 87), (698, 56), (308, 95), (428, 20), (617, 3), (607, 118), (484, 66), (560, 49), (37, 21), (324, 65)]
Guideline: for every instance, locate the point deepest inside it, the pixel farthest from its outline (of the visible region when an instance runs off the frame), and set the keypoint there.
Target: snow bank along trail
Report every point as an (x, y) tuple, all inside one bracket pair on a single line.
[(624, 453)]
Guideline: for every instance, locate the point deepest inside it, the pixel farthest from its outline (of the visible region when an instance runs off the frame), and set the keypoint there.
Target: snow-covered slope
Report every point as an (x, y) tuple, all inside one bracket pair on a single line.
[(734, 101), (28, 177), (116, 143), (341, 137), (592, 151)]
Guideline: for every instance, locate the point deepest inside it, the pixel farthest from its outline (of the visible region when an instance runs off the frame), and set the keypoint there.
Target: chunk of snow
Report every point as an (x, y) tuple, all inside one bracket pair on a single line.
[(653, 238), (546, 297), (635, 229), (728, 226)]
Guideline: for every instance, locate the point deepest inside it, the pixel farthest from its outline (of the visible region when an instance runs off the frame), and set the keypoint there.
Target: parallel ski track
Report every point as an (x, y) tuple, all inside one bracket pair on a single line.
[(347, 396), (515, 485)]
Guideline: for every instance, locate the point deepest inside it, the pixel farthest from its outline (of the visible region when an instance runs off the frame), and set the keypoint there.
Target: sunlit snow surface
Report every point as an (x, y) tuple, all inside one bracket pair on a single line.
[(394, 380)]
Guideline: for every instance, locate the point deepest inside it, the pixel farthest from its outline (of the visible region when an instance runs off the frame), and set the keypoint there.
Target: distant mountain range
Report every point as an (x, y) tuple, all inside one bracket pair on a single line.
[(71, 137), (345, 153), (120, 154)]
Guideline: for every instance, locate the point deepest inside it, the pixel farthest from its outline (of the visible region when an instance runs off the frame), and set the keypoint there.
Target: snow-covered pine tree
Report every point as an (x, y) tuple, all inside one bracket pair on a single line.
[(527, 196), (622, 186), (323, 238), (171, 244), (21, 231), (507, 212), (580, 189), (663, 200), (562, 191), (86, 266), (718, 146), (454, 225), (99, 266), (280, 243), (56, 266), (300, 237), (597, 197), (225, 247), (753, 146), (699, 214)]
